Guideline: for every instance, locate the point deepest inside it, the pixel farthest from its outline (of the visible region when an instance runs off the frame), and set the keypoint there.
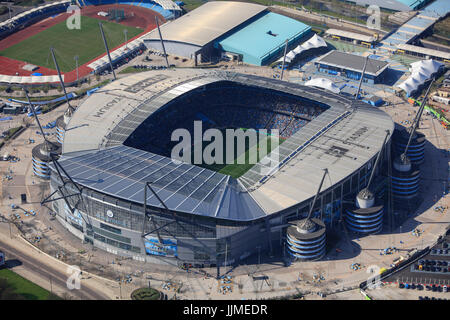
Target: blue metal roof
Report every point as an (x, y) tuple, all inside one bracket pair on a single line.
[(263, 38), (440, 7), (419, 22)]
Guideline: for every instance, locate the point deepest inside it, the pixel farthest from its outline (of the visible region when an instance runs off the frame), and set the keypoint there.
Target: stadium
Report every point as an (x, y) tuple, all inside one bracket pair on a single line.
[(25, 39), (116, 187)]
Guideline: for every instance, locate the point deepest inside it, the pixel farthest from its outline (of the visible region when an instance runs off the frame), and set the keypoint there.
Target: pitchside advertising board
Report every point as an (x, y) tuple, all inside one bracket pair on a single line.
[(167, 248)]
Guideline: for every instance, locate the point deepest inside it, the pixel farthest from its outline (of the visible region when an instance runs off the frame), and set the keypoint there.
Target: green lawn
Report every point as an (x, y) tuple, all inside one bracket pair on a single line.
[(145, 294), (27, 289), (133, 70), (190, 5), (86, 42)]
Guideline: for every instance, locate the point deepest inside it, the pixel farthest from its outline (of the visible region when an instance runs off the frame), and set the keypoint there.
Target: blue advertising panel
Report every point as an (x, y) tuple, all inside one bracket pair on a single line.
[(168, 247), (75, 217)]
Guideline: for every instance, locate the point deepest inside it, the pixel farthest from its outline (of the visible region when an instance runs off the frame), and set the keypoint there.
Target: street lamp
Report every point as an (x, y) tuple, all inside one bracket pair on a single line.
[(76, 62), (125, 32), (120, 287)]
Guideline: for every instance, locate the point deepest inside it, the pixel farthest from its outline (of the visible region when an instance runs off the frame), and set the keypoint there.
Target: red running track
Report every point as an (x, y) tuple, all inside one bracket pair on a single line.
[(136, 17)]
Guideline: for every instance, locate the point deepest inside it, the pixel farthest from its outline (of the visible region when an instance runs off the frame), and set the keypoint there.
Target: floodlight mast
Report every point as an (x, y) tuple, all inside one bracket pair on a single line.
[(35, 115), (417, 120), (284, 59), (107, 49), (362, 77), (372, 174), (60, 77), (325, 171), (162, 41)]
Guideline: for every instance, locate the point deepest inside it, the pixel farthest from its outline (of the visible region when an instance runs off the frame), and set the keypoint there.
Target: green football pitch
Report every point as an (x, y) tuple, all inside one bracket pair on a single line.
[(242, 162), (86, 43)]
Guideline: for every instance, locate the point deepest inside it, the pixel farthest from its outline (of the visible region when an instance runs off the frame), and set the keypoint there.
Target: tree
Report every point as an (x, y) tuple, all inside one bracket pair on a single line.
[(7, 291)]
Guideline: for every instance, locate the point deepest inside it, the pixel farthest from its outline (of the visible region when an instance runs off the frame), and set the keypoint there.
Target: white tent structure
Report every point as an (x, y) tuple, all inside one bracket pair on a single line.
[(430, 65), (421, 71), (420, 76), (313, 43), (410, 85), (324, 84)]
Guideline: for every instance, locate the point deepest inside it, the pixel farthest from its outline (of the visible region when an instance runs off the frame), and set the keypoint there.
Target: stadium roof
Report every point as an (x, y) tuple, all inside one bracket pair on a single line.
[(168, 5), (207, 23), (353, 62), (14, 19), (343, 139)]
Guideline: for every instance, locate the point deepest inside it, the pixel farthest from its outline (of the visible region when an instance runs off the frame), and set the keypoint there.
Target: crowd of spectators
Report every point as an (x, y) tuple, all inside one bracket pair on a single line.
[(224, 107)]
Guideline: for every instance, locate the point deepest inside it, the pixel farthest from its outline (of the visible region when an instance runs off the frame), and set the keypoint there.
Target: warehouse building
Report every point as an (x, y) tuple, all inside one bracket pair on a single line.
[(246, 31), (351, 66)]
